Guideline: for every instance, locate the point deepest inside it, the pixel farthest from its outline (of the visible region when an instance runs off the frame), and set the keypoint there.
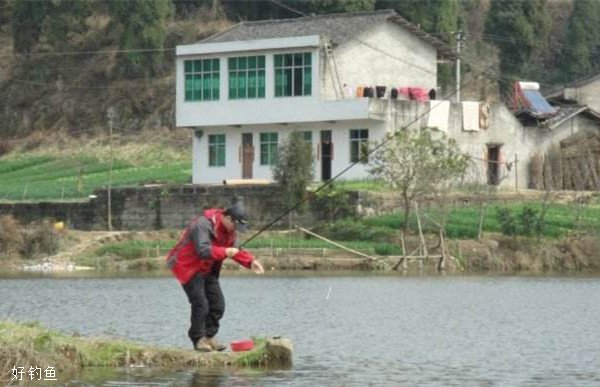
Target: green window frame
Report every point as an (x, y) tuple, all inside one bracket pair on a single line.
[(359, 142), (216, 150), (246, 77), (307, 136), (268, 148), (202, 80), (293, 74)]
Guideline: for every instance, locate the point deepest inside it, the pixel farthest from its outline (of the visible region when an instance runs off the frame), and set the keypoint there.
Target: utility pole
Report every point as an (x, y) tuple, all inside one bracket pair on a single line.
[(111, 116), (458, 41)]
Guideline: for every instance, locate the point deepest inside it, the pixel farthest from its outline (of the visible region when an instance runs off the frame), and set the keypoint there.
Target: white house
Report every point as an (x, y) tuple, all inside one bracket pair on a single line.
[(244, 90)]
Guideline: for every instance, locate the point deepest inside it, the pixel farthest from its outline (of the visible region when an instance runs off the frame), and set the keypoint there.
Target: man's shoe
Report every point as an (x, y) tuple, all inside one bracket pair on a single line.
[(203, 345), (215, 345)]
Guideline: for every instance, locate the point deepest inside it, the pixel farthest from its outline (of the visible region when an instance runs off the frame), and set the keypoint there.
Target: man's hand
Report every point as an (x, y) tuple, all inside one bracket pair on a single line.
[(257, 267), (231, 251)]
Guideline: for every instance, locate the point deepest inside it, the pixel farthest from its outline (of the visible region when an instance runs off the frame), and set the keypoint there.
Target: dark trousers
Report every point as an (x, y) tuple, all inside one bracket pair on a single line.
[(208, 305)]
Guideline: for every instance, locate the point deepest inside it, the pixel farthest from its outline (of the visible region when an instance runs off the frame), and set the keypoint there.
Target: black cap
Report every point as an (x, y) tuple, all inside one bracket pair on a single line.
[(238, 215)]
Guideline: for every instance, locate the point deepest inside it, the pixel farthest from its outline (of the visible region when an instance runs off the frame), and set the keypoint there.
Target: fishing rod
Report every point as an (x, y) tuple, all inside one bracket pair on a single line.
[(385, 140)]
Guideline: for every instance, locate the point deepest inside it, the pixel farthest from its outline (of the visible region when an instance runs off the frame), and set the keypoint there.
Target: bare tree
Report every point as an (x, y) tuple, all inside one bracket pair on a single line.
[(417, 163)]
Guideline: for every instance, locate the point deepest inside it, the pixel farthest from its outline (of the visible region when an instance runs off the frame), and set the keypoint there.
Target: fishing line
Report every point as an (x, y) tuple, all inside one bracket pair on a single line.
[(384, 141)]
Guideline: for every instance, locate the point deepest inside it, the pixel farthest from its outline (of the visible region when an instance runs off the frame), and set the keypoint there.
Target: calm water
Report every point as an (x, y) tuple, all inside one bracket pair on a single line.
[(372, 330)]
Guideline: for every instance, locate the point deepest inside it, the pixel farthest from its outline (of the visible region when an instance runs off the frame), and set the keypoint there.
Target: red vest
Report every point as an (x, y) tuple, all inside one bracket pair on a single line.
[(184, 261)]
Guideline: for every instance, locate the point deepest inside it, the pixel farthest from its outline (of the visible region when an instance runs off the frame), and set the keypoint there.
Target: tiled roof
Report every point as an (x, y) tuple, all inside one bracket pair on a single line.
[(340, 28)]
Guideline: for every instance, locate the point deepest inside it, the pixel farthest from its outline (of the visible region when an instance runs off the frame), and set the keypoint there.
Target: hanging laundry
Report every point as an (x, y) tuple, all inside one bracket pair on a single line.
[(404, 92), (369, 92), (394, 93), (360, 91), (348, 91), (418, 94), (432, 94), (470, 113), (438, 115), (380, 90)]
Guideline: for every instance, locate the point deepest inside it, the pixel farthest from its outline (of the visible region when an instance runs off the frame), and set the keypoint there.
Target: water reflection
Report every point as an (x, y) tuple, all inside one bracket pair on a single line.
[(346, 330)]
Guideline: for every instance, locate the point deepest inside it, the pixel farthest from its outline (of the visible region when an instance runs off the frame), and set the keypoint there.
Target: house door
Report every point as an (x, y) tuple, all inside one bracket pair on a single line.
[(326, 154), (493, 161), (247, 155)]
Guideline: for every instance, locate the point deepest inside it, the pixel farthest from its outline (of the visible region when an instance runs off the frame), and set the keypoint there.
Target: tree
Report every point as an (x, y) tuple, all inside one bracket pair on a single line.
[(516, 27), (26, 24), (65, 17), (416, 163), (340, 6), (294, 168), (143, 27), (581, 52)]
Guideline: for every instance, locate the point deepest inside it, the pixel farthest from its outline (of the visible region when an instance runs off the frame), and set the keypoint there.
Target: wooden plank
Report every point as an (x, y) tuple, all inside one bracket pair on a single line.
[(337, 244)]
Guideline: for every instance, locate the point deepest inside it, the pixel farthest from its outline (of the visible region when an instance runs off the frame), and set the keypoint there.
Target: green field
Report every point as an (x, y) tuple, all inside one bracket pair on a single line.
[(58, 177), (462, 222), (380, 234)]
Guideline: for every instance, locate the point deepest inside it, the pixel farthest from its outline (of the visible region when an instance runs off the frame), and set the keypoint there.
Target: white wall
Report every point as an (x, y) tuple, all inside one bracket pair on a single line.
[(203, 174), (270, 109), (588, 94), (399, 59)]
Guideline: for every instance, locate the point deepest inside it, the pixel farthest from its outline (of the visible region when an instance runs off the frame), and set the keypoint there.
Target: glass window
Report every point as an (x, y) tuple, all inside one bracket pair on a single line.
[(359, 141), (293, 74), (201, 80), (307, 136), (268, 148), (216, 150), (246, 77)]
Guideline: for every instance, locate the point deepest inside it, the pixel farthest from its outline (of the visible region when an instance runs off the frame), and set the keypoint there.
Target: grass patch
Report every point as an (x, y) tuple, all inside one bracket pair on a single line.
[(462, 223), (32, 344), (60, 176), (134, 249)]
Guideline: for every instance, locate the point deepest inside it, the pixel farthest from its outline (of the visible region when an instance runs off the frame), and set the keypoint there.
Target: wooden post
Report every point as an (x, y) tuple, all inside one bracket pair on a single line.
[(404, 261), (423, 244), (337, 244), (442, 261)]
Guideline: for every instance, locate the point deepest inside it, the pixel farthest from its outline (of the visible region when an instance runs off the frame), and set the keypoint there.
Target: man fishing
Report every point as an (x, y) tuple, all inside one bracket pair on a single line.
[(196, 262)]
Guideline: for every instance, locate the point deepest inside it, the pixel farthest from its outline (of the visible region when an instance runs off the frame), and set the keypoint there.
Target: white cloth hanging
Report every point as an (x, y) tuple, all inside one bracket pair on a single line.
[(470, 114), (438, 115)]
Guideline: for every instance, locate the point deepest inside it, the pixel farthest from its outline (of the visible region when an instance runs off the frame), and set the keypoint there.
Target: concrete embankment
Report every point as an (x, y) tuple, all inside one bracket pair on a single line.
[(30, 344)]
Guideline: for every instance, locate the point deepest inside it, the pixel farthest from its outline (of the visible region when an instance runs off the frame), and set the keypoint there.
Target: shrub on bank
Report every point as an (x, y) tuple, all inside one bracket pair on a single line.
[(37, 238), (10, 236)]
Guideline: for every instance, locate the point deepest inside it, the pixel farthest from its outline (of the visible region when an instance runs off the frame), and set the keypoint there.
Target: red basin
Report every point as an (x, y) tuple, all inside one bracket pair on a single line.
[(242, 345)]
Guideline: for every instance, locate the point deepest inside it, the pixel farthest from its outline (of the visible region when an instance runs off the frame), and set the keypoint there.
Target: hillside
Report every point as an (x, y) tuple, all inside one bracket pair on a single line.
[(71, 91)]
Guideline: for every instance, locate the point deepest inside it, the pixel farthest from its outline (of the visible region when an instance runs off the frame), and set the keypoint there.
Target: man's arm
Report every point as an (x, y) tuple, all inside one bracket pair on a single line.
[(201, 235)]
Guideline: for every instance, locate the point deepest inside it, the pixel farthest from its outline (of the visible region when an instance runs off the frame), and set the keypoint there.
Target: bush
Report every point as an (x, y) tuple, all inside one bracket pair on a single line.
[(529, 221), (387, 249), (5, 147), (332, 203), (11, 239), (39, 238), (508, 225)]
